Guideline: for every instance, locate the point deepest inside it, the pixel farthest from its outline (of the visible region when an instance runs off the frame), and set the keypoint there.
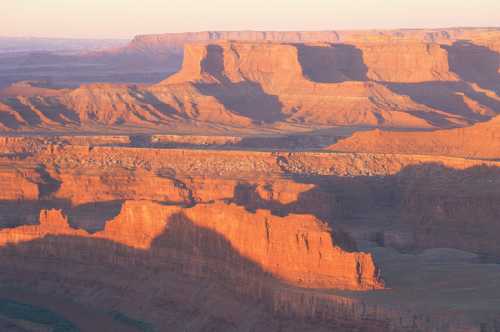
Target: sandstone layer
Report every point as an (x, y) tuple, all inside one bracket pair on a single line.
[(295, 249), (284, 82), (480, 141), (281, 232), (207, 202)]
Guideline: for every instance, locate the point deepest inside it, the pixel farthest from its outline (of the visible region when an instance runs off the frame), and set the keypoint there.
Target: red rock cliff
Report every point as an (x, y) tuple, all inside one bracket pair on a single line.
[(297, 249)]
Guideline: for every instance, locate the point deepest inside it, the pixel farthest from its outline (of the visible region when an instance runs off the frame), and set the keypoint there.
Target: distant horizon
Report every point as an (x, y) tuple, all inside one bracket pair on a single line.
[(124, 19), (241, 30)]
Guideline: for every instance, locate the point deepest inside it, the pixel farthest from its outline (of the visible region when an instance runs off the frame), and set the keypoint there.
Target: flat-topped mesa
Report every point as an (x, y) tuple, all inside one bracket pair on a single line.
[(270, 64), (310, 84), (297, 249), (481, 141), (376, 82), (176, 41), (278, 65)]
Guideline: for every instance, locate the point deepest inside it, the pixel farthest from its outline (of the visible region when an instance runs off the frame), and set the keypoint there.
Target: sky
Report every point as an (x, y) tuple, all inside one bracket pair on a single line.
[(127, 18)]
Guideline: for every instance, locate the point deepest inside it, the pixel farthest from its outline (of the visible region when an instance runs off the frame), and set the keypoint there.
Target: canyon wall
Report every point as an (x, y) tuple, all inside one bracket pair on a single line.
[(248, 225), (136, 220), (261, 81), (295, 249), (90, 184)]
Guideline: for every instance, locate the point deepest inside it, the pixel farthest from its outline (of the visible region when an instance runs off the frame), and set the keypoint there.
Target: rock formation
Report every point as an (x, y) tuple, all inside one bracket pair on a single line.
[(413, 79), (290, 181), (479, 141), (247, 218), (296, 249)]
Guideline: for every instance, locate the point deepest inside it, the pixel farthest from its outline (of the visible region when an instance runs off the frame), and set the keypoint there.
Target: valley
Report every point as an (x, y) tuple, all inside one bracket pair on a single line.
[(278, 181)]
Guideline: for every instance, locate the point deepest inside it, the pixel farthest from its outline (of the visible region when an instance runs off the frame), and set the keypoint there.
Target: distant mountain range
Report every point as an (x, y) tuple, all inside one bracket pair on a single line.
[(64, 45)]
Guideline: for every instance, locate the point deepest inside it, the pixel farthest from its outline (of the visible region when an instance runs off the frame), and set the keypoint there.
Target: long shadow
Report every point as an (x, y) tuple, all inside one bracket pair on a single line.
[(18, 213), (213, 63), (9, 121), (93, 217), (185, 267), (474, 63), (334, 63), (247, 99), (447, 97), (55, 111), (165, 111), (441, 207), (47, 185), (26, 113)]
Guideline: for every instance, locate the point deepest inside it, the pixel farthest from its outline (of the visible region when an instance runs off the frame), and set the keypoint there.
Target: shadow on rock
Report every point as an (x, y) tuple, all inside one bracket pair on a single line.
[(474, 63), (334, 63)]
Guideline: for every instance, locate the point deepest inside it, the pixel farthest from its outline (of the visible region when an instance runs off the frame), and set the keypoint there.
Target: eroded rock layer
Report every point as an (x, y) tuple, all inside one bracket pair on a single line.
[(412, 79), (112, 212), (296, 249), (280, 232)]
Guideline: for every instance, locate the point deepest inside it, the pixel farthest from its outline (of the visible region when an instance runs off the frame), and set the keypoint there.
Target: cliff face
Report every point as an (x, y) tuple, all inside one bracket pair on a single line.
[(232, 71), (296, 249), (407, 62), (19, 184), (91, 184), (225, 238), (346, 185), (281, 81), (177, 41), (277, 66), (451, 209), (263, 230)]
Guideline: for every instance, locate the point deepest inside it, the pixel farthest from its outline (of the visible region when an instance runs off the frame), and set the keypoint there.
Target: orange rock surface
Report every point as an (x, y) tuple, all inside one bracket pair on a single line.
[(399, 79), (200, 203), (297, 249), (160, 224), (479, 141), (18, 184)]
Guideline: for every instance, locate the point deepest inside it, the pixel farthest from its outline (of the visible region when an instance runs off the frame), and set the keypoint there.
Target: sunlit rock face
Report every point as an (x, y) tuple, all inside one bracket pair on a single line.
[(305, 181), (283, 232), (252, 81), (297, 249)]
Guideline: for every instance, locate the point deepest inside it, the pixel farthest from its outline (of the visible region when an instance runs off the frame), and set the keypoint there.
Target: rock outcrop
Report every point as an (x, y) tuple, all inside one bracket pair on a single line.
[(19, 184), (161, 224), (286, 82), (296, 249), (111, 204), (481, 141)]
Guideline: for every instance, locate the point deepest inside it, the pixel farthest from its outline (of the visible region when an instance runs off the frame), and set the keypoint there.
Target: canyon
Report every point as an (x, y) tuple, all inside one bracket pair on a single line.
[(247, 83), (298, 181)]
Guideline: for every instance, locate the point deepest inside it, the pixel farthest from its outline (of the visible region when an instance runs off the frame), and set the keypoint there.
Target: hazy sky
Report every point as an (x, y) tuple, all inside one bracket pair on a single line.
[(126, 18)]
